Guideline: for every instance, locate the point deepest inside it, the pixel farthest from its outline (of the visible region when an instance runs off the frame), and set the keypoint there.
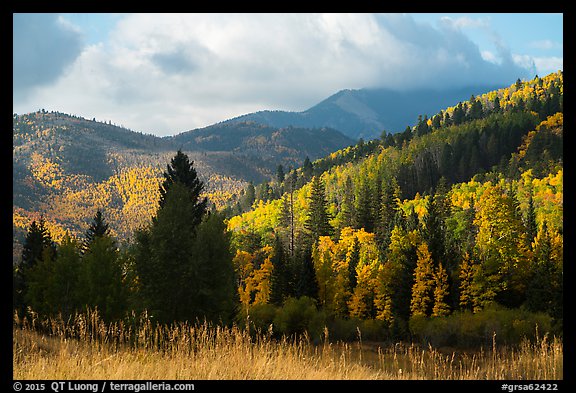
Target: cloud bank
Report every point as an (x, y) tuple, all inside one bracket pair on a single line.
[(43, 47), (167, 73)]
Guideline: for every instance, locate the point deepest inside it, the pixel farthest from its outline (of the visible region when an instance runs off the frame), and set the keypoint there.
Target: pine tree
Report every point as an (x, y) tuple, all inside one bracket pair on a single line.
[(213, 291), (545, 281), (280, 174), (287, 220), (530, 222), (434, 231), (307, 169), (181, 170), (318, 219), (280, 279), (353, 260), (98, 228), (364, 217), (101, 279), (68, 265), (38, 246), (476, 110), (347, 209), (306, 282), (388, 209), (183, 260), (287, 211), (37, 238)]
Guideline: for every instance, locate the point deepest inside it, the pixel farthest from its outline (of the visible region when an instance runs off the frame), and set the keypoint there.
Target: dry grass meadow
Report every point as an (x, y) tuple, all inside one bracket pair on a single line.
[(87, 348)]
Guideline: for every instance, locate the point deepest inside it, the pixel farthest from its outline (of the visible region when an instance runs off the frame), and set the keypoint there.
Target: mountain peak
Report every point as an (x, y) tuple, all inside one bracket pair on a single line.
[(365, 113)]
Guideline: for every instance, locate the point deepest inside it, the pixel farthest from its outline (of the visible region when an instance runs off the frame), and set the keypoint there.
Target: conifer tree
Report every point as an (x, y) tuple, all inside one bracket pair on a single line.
[(181, 170), (287, 220), (280, 175), (183, 260), (101, 279), (37, 238), (38, 246), (307, 169), (364, 215), (353, 260), (530, 222), (287, 211), (544, 283), (98, 228), (388, 210), (280, 279), (434, 229), (347, 209), (318, 219), (306, 282)]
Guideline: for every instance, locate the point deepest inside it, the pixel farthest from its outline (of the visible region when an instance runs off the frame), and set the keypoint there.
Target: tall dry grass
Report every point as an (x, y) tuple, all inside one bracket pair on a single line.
[(84, 347)]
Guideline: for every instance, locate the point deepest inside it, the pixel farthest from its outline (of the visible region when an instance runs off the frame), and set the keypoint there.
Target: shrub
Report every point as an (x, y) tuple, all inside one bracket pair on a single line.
[(465, 329), (295, 315), (260, 316)]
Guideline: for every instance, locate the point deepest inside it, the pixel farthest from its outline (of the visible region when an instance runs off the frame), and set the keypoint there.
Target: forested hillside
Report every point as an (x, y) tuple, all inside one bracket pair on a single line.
[(461, 212), (450, 233), (64, 167)]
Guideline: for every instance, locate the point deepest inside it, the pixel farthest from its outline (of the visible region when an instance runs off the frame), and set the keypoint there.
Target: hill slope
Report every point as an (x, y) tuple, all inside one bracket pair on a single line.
[(65, 167), (289, 145)]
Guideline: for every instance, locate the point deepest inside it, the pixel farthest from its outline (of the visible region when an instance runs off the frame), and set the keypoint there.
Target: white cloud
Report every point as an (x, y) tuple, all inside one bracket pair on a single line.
[(489, 56), (545, 45), (166, 73), (547, 65), (43, 47), (465, 22)]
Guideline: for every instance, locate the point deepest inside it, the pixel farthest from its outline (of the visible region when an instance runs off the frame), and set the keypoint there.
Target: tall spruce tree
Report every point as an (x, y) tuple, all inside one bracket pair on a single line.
[(347, 209), (364, 211), (306, 282), (37, 238), (530, 222), (353, 260), (38, 245), (100, 283), (318, 219), (181, 170), (183, 259), (98, 228), (434, 231), (280, 278)]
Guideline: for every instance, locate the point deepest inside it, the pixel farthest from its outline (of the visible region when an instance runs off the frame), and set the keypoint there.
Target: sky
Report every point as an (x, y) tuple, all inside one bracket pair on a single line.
[(163, 74)]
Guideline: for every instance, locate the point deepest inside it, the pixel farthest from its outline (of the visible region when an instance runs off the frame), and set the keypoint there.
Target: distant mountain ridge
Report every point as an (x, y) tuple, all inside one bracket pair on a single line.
[(365, 113), (264, 141)]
